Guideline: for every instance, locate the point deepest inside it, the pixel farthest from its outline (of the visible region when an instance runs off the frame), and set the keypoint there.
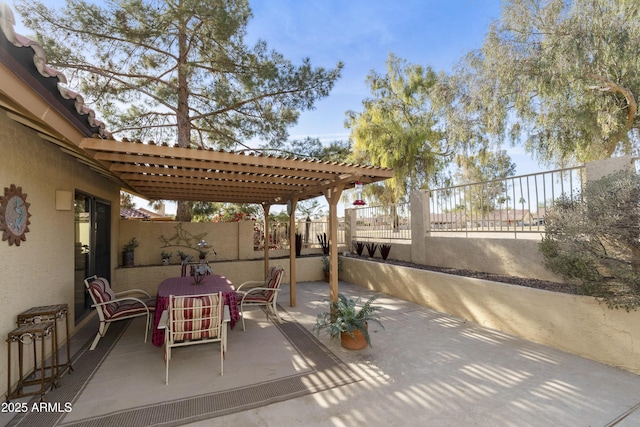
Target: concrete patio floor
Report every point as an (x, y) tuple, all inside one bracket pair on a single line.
[(425, 368)]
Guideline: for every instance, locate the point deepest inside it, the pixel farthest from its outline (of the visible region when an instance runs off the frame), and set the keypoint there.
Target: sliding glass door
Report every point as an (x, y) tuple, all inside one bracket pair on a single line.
[(92, 246)]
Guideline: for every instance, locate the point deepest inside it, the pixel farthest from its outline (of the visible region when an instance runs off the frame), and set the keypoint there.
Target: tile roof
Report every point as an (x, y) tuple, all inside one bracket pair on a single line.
[(128, 213), (29, 55)]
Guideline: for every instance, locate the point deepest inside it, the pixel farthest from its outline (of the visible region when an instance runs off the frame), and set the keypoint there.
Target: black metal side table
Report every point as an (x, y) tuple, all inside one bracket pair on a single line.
[(51, 313), (30, 335)]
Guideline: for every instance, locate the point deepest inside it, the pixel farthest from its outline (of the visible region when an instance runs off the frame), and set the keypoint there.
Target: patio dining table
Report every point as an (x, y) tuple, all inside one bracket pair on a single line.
[(182, 286)]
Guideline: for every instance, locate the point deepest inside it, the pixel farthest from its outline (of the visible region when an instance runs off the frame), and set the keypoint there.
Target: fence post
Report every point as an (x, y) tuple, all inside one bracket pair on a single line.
[(601, 168), (420, 225)]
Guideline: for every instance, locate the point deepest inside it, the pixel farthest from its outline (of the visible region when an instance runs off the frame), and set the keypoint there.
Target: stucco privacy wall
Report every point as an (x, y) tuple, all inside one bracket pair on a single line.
[(170, 236), (572, 323), (41, 270), (148, 277), (508, 256), (232, 241), (512, 257)]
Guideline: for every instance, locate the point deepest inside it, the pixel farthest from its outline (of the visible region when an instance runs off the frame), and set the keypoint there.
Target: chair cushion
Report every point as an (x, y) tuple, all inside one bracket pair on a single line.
[(273, 282), (195, 317), (128, 308), (101, 293), (256, 298), (274, 277)]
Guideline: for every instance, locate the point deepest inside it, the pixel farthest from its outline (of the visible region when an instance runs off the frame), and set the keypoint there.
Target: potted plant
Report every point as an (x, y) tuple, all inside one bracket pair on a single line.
[(127, 252), (203, 249), (384, 250), (326, 266), (324, 242), (298, 244), (346, 321), (166, 256), (182, 256), (371, 248)]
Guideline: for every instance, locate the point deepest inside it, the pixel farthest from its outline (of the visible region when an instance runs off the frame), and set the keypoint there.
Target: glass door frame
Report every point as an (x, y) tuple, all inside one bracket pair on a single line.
[(94, 236)]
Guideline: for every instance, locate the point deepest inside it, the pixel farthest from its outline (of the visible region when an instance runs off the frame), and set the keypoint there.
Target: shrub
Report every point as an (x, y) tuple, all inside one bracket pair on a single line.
[(371, 248), (324, 243), (298, 244), (384, 250), (594, 240)]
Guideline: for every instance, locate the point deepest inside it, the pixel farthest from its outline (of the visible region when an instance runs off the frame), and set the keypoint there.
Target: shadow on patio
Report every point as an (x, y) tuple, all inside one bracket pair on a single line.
[(425, 368)]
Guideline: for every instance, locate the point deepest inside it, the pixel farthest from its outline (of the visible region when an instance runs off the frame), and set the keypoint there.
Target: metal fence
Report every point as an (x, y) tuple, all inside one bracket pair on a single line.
[(513, 205), (280, 236), (383, 223)]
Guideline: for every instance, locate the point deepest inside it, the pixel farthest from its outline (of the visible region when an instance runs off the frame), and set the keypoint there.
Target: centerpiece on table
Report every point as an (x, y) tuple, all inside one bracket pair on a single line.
[(199, 271)]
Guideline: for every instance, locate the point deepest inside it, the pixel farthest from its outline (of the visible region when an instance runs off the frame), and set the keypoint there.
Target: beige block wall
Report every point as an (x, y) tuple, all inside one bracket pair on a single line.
[(148, 277), (41, 270), (601, 168), (576, 324), (512, 257), (399, 252), (232, 241), (170, 236)]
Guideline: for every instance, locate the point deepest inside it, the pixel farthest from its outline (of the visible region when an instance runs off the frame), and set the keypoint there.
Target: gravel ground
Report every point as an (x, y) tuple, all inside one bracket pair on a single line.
[(519, 281)]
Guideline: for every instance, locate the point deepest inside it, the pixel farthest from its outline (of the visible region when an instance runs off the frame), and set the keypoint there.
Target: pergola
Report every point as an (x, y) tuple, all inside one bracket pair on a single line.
[(173, 173), (36, 95)]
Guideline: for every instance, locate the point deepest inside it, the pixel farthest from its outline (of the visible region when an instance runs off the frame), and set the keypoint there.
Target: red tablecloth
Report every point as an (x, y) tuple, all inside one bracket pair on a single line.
[(184, 286)]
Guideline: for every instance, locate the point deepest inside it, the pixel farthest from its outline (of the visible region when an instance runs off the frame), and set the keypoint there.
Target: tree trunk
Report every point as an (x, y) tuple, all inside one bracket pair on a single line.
[(184, 211)]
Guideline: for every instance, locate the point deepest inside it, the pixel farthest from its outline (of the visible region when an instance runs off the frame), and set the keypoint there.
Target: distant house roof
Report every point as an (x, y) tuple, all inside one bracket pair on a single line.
[(447, 218), (508, 215), (143, 214), (128, 213), (155, 216)]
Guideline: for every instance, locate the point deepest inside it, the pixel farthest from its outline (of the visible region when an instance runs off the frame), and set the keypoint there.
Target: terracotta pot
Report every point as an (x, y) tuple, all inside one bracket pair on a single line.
[(357, 342)]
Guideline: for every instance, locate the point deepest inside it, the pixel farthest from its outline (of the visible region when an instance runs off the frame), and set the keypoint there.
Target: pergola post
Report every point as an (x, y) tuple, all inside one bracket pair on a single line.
[(292, 251), (267, 237), (333, 196)]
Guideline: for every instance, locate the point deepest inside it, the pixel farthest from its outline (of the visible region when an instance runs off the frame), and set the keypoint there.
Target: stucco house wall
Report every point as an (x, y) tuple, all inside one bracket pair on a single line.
[(41, 270)]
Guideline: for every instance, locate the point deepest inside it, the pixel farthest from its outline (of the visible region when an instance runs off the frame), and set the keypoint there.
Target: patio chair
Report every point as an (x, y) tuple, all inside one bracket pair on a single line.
[(266, 295), (184, 264), (194, 319), (112, 306)]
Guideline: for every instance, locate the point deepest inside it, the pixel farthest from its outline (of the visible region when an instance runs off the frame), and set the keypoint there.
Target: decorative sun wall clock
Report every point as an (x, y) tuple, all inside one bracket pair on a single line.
[(14, 215)]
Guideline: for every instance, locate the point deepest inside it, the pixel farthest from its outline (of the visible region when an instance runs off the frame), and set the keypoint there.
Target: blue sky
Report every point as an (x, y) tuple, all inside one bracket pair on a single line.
[(361, 34)]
